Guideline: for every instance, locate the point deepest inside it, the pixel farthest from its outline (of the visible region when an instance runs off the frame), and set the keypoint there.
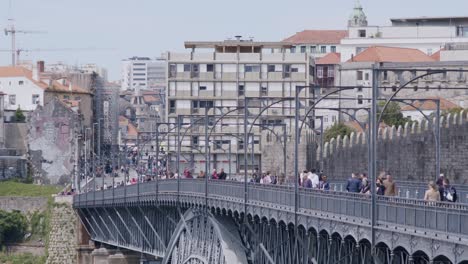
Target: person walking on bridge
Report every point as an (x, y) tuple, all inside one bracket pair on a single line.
[(390, 186), (448, 193), (354, 184), (432, 194)]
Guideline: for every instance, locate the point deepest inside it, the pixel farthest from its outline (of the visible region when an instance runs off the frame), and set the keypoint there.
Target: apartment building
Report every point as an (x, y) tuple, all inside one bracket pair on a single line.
[(316, 42), (144, 73), (428, 34), (218, 76)]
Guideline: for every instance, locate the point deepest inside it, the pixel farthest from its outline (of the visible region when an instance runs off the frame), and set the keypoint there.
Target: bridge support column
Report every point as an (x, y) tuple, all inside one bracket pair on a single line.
[(100, 256), (124, 258)]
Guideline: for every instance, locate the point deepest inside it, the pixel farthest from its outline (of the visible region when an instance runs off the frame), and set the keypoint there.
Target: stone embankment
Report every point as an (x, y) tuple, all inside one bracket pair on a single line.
[(63, 231)]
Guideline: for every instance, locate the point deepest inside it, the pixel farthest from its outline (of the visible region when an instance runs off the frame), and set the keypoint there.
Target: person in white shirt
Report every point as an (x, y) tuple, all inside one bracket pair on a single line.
[(267, 178), (314, 178)]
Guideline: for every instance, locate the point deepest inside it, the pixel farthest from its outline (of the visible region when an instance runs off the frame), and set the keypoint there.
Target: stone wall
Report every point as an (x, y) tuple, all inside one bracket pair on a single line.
[(23, 204), (53, 129), (406, 152), (273, 157), (63, 232)]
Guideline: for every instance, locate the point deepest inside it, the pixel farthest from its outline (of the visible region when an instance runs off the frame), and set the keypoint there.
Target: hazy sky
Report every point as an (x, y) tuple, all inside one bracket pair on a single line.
[(122, 29)]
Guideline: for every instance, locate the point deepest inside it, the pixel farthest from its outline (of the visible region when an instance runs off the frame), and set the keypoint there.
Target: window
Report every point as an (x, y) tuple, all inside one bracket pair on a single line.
[(385, 75), (12, 99), (35, 99), (313, 49), (252, 68), (195, 140), (202, 88), (240, 91), (172, 70), (195, 70), (77, 98), (366, 76), (187, 67), (264, 91), (415, 88), (21, 82), (359, 89), (66, 97), (333, 118), (333, 48), (139, 74), (210, 67), (331, 71), (287, 71), (394, 88), (240, 144), (303, 49), (172, 106), (323, 49), (218, 144), (362, 33), (319, 71), (294, 69), (359, 101), (359, 75), (293, 50), (271, 68)]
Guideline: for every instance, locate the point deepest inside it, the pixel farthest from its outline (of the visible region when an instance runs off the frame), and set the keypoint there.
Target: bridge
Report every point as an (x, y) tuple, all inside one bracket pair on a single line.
[(197, 221)]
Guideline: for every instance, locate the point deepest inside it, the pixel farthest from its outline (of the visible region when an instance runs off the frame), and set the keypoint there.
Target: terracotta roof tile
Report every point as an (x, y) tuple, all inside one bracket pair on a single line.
[(330, 58), (390, 54), (317, 37), (43, 83), (10, 71), (436, 56), (431, 105)]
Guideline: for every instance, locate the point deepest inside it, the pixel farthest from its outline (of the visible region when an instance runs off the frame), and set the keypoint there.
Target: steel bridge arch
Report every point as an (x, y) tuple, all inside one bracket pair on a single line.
[(229, 244)]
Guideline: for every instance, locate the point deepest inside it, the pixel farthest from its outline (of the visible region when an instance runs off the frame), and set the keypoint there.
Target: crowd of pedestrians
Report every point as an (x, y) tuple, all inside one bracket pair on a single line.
[(360, 183)]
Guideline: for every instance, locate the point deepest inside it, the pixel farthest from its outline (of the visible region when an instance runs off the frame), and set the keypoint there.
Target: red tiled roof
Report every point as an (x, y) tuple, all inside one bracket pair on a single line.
[(390, 54), (330, 58), (150, 99), (10, 71), (430, 105), (317, 37), (436, 56), (43, 83)]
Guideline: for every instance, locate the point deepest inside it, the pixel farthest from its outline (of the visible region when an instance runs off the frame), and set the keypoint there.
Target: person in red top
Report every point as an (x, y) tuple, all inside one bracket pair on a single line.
[(214, 175)]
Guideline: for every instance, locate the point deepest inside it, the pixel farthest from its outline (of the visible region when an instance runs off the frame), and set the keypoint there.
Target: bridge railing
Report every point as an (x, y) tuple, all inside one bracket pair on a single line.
[(435, 216), (410, 213)]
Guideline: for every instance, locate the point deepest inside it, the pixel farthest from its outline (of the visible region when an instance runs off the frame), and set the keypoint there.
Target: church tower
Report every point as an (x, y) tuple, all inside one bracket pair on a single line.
[(357, 18)]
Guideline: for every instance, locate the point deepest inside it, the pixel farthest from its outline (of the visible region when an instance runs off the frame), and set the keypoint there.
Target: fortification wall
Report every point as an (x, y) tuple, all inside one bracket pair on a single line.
[(406, 152)]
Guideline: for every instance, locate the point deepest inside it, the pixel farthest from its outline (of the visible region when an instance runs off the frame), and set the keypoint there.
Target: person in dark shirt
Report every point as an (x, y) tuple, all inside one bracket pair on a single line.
[(448, 193), (354, 184), (222, 175)]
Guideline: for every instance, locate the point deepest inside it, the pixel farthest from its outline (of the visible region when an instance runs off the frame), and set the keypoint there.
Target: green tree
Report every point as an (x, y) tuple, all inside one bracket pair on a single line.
[(392, 115), (337, 130), (19, 116), (13, 226)]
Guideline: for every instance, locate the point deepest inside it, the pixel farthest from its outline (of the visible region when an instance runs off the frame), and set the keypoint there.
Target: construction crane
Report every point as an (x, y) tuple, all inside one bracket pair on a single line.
[(12, 31)]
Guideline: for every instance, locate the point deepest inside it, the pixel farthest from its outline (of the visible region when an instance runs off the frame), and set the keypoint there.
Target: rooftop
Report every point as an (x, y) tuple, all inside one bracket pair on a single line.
[(424, 18), (234, 43), (391, 54), (317, 37), (9, 71), (430, 105), (330, 58)]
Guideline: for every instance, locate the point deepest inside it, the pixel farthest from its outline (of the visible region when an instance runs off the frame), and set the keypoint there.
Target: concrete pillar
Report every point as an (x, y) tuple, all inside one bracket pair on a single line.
[(127, 257), (84, 254), (100, 256)]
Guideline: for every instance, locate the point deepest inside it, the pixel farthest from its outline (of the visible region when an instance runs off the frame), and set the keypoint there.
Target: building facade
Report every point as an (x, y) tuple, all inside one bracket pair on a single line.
[(218, 81), (428, 34), (144, 73)]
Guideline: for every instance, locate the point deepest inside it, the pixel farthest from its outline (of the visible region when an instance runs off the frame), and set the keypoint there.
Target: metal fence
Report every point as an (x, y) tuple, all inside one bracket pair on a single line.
[(406, 212)]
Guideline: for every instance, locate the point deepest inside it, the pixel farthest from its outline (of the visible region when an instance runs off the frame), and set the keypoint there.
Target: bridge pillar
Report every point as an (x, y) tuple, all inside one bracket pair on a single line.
[(100, 256), (121, 258)]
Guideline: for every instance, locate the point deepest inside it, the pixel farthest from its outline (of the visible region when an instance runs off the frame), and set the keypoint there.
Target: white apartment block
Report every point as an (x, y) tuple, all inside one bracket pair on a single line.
[(144, 73), (220, 79), (428, 34)]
